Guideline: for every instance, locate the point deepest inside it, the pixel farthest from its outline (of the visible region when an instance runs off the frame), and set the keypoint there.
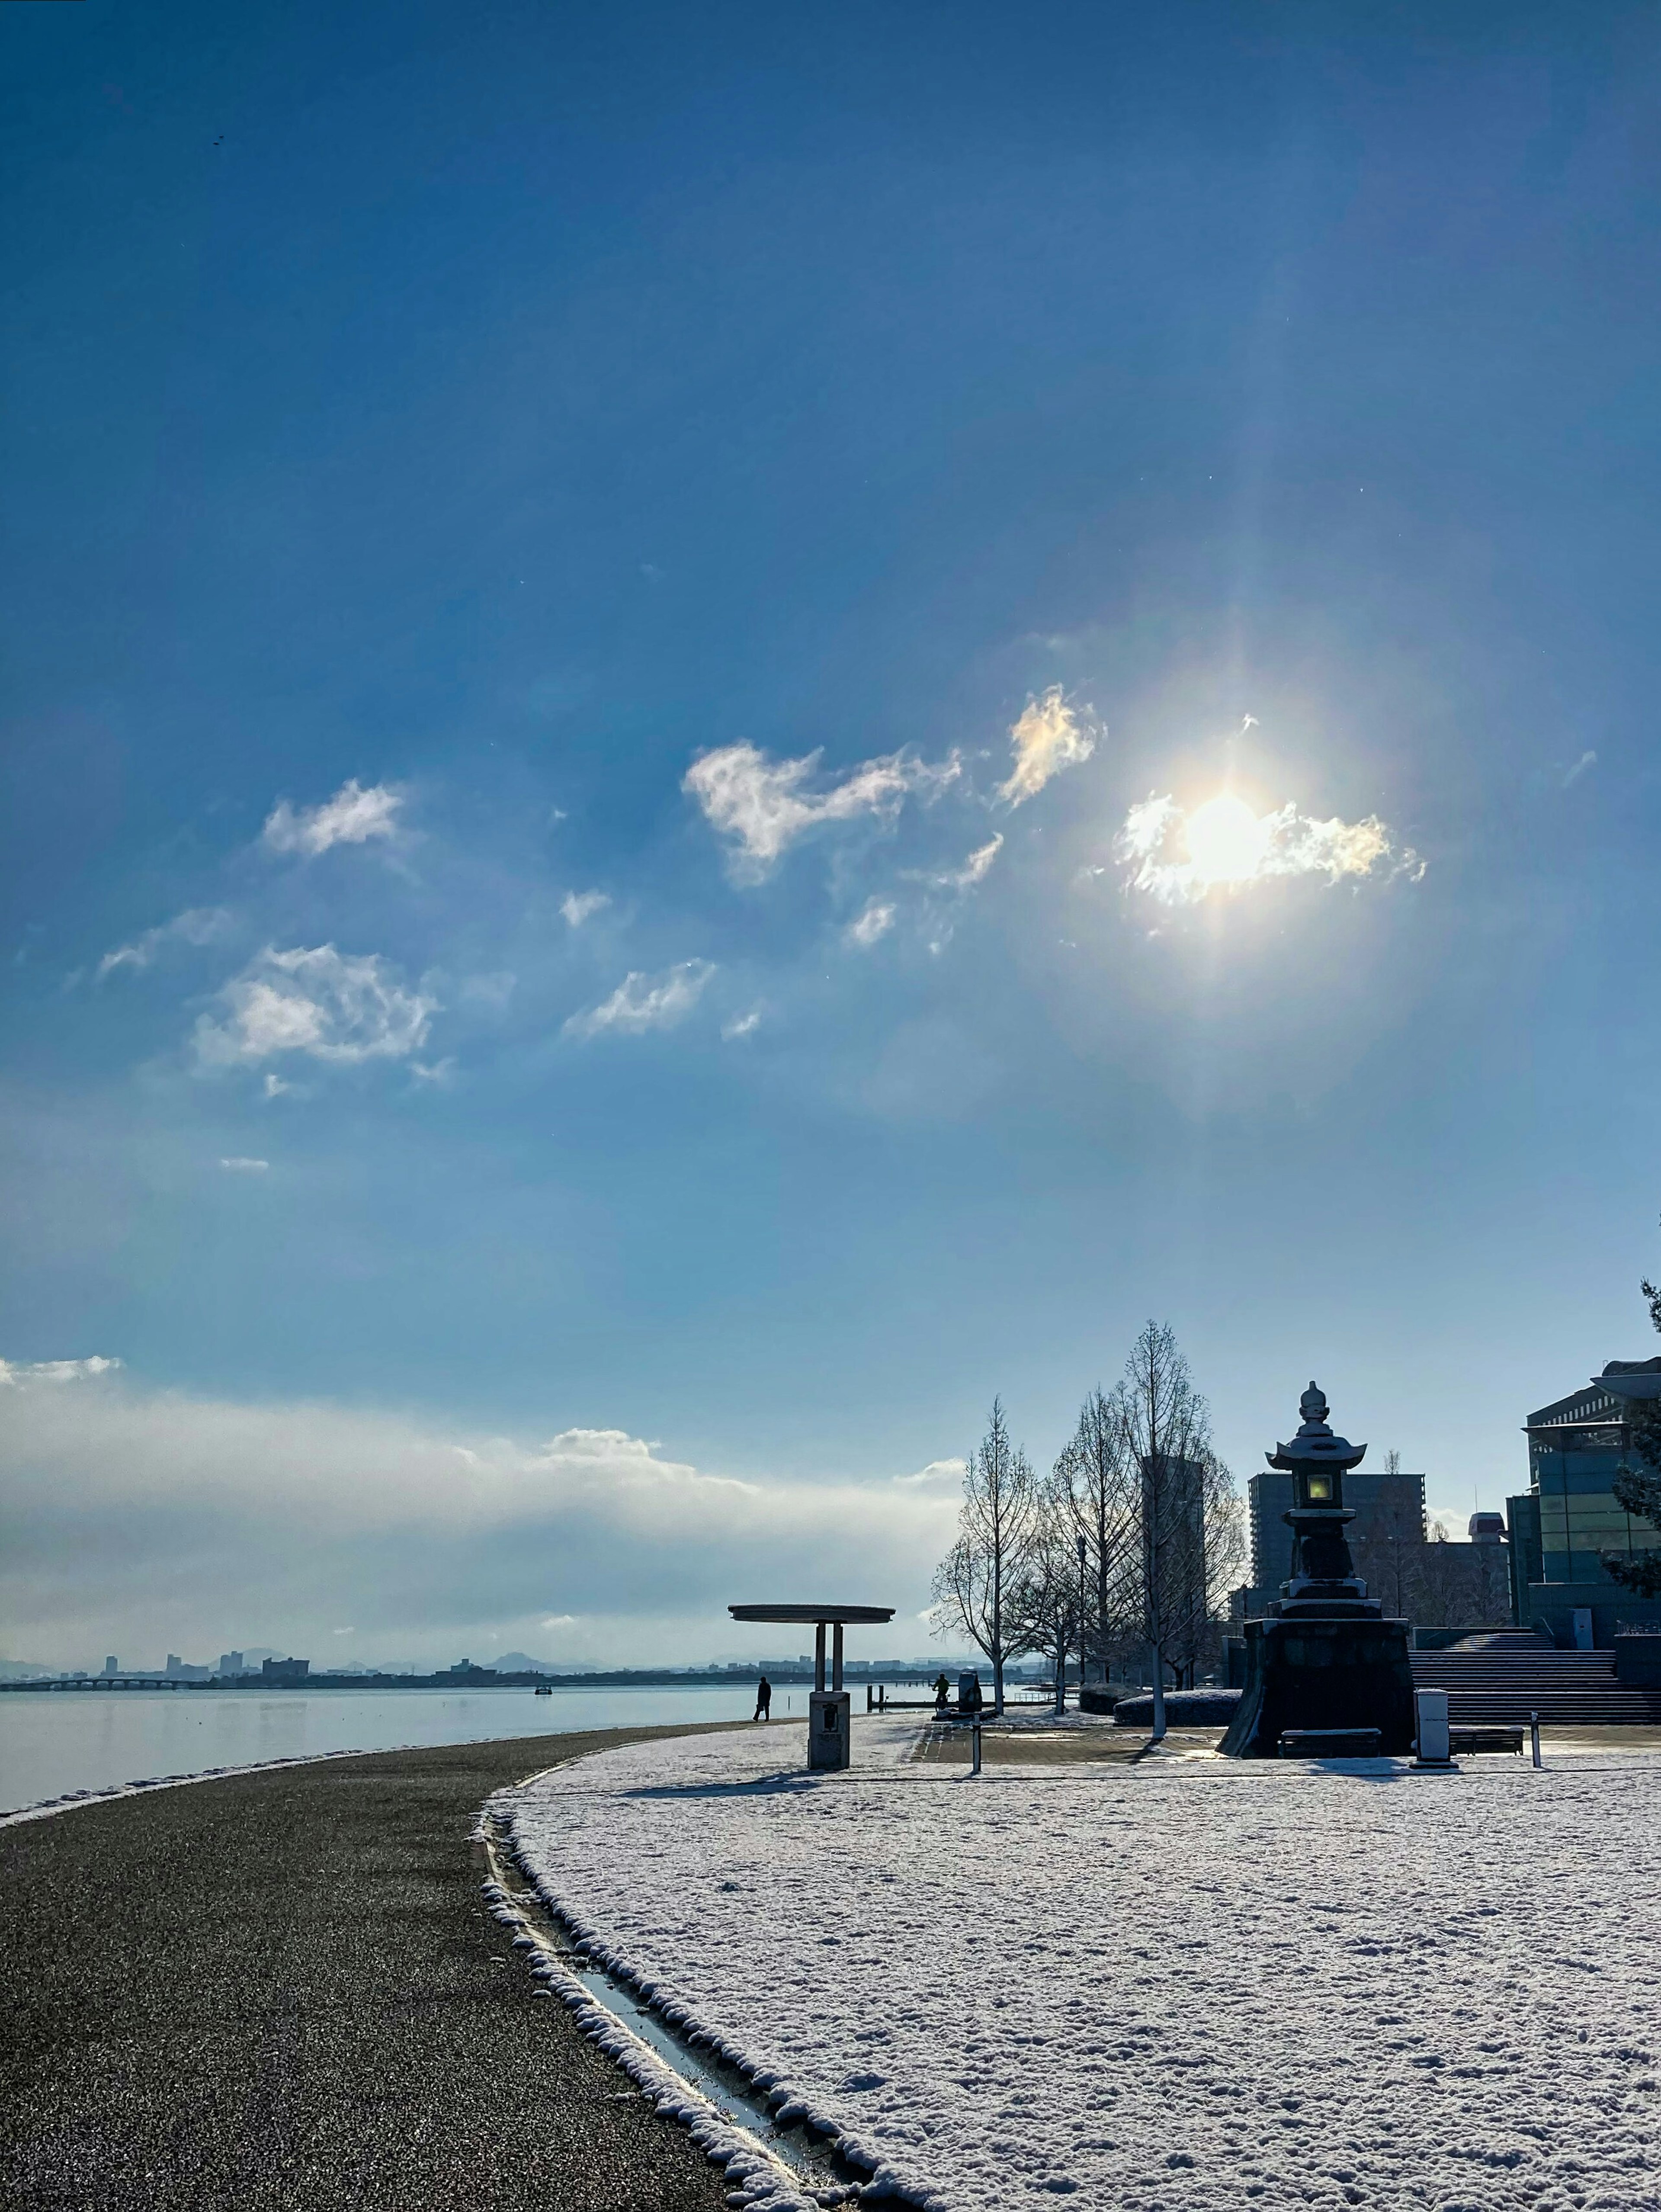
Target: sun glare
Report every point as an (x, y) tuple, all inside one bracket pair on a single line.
[(1226, 839)]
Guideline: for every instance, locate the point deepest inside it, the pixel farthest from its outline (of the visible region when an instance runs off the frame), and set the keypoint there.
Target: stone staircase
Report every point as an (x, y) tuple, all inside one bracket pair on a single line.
[(1505, 1685)]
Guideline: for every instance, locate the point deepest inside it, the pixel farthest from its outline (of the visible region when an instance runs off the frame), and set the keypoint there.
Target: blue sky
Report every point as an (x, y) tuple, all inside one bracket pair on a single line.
[(595, 602)]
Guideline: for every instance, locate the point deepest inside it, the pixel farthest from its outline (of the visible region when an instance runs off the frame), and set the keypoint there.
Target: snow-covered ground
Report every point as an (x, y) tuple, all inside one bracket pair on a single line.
[(1189, 1983)]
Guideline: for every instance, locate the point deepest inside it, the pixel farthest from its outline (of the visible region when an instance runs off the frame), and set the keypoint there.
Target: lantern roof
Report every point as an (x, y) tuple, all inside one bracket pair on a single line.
[(1315, 1445)]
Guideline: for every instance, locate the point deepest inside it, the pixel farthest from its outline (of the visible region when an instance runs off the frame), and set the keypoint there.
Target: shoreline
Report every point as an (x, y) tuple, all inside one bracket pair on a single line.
[(296, 1995)]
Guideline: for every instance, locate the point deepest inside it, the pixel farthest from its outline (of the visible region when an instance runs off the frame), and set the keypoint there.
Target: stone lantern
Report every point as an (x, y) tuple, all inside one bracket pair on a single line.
[(1323, 1663)]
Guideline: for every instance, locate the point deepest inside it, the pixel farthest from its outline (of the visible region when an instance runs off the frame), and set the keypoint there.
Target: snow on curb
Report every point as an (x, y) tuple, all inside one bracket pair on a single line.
[(758, 2179)]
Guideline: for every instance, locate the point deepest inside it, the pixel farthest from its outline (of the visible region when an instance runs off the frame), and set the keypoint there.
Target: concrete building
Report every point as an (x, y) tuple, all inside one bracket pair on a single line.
[(1569, 1517), (231, 1663), (1431, 1583), (1389, 1524)]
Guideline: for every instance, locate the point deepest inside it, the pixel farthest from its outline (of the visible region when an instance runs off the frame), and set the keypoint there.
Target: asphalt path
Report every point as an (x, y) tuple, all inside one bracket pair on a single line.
[(281, 1990)]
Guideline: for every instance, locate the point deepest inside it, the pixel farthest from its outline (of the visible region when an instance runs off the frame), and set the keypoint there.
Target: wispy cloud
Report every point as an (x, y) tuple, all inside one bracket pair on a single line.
[(198, 925), (645, 1002), (939, 1475), (18, 1374), (1178, 856), (742, 1026), (764, 806), (1049, 736), (874, 920), (578, 907), (1586, 759), (352, 817), (973, 871), (237, 1165), (331, 1005)]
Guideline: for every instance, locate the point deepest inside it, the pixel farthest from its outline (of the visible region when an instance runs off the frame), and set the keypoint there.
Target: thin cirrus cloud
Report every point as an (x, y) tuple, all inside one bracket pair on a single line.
[(763, 806), (1178, 856), (642, 1002), (331, 1005), (198, 926), (578, 906), (352, 817), (873, 921), (974, 870), (238, 1165), (1048, 736)]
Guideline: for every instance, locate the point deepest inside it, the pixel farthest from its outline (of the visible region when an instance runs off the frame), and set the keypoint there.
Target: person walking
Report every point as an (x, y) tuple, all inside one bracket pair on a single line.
[(763, 1700), (943, 1690)]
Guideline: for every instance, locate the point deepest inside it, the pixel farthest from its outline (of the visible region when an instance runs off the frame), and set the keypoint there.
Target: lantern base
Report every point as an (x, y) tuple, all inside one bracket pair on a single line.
[(1338, 1668)]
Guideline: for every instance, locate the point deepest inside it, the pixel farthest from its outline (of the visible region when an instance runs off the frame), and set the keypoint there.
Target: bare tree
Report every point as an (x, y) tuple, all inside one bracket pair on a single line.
[(995, 1527), (1097, 1491), (1390, 1557), (1189, 1518), (1044, 1600)]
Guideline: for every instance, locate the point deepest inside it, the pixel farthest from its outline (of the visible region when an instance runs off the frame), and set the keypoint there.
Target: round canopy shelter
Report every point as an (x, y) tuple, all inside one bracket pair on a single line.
[(837, 1617)]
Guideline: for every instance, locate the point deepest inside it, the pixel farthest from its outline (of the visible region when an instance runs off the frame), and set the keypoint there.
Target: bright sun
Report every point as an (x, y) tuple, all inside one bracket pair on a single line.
[(1225, 840)]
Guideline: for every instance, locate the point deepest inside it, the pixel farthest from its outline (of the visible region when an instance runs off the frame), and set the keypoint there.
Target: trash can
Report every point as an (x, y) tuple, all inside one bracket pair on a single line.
[(829, 1728)]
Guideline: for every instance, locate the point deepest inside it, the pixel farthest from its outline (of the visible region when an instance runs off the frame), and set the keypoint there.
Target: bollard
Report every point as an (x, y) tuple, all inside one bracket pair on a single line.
[(1534, 1736), (974, 1749)]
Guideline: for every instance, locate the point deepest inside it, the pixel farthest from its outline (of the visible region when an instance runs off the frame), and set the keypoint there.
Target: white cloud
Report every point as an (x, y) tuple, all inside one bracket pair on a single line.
[(974, 870), (153, 1517), (352, 817), (940, 1475), (1586, 759), (645, 1002), (875, 919), (742, 1026), (335, 1006), (18, 1374), (199, 925), (577, 906), (762, 806), (1048, 738), (1179, 856), (240, 1166)]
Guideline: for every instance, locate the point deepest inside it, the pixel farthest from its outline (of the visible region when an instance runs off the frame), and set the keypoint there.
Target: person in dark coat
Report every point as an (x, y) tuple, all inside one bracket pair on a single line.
[(763, 1700), (943, 1690)]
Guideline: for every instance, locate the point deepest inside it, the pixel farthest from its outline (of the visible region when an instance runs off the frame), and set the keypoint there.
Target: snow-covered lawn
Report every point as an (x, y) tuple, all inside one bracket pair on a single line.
[(1188, 1984)]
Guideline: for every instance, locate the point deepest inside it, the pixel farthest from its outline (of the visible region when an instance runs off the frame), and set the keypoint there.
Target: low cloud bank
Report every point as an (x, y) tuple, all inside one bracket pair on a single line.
[(139, 1521)]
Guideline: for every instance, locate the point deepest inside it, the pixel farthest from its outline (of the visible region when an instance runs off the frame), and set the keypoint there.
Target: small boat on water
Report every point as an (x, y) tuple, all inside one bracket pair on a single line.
[(544, 1690)]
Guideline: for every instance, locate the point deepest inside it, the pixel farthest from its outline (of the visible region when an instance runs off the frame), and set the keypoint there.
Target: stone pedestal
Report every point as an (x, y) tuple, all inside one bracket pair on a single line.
[(1323, 1656), (1312, 1674), (830, 1729)]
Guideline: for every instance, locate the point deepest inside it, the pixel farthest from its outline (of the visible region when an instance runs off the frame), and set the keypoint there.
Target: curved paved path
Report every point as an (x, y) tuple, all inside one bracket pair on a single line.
[(282, 1991)]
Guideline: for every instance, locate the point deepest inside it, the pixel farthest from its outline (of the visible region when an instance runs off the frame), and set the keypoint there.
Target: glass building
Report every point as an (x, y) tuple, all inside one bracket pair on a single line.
[(1569, 1516)]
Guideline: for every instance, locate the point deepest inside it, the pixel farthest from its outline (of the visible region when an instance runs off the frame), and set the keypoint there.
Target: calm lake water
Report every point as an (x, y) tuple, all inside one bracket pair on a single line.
[(54, 1741)]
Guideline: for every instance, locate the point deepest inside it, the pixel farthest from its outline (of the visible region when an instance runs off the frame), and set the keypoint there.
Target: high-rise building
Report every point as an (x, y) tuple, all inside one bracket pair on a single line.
[(231, 1663), (1390, 1515), (1569, 1516), (1431, 1583), (112, 1665)]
